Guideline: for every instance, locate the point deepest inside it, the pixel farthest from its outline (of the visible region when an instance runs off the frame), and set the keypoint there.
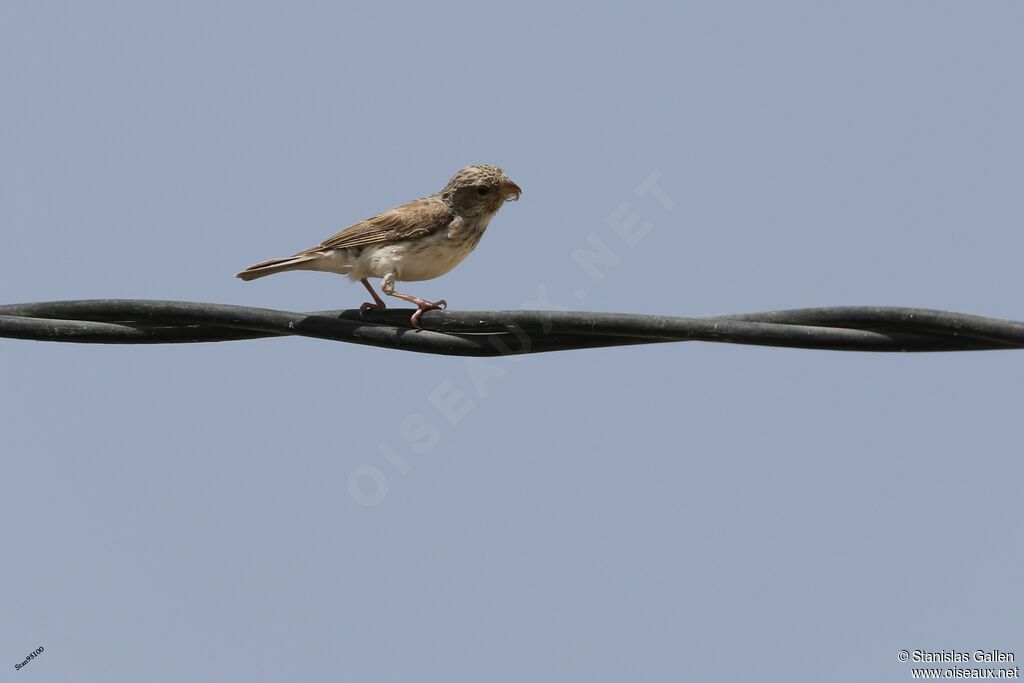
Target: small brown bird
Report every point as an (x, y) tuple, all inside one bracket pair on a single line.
[(420, 240)]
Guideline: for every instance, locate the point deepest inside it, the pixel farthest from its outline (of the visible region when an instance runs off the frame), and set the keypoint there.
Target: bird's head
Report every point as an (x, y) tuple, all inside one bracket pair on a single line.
[(480, 189)]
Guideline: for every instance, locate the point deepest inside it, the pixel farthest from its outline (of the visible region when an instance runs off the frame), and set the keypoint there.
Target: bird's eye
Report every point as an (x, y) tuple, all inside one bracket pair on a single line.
[(483, 191)]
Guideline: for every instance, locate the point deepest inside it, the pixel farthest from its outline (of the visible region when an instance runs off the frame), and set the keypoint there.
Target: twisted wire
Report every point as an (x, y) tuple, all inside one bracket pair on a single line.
[(496, 333)]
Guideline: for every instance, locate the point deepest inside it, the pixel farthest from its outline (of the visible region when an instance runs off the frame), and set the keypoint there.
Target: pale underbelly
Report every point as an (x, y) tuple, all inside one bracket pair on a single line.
[(412, 260)]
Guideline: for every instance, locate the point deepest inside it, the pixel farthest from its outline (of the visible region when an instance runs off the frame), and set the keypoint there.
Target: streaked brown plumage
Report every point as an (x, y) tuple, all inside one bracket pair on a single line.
[(420, 240)]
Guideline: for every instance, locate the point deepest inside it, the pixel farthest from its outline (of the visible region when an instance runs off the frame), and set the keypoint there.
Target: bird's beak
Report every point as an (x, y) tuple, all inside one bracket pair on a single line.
[(511, 190)]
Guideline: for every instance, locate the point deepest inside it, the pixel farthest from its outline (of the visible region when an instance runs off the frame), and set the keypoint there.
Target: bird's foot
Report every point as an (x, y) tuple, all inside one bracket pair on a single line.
[(379, 306), (423, 305)]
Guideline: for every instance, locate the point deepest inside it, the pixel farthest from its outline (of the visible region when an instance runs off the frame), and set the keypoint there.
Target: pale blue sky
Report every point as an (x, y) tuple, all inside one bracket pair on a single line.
[(680, 512)]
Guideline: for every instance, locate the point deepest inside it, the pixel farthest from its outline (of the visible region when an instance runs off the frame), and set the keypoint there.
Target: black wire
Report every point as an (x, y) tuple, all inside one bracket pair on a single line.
[(493, 333)]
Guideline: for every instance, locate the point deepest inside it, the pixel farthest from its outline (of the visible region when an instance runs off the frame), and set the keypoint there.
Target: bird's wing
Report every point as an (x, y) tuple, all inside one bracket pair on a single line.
[(418, 217)]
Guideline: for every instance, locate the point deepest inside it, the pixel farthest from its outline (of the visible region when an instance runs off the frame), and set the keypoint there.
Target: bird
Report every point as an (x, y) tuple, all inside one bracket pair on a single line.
[(419, 240)]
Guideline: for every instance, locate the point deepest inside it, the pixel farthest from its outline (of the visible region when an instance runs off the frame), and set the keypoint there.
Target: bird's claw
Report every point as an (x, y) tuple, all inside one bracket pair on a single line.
[(439, 305), (367, 306)]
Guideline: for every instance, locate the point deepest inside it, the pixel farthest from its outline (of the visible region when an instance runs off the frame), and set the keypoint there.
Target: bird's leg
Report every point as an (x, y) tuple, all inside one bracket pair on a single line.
[(378, 304), (387, 285)]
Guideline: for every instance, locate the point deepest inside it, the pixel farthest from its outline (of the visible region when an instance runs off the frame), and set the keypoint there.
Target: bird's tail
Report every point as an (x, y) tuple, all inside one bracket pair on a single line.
[(277, 265)]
